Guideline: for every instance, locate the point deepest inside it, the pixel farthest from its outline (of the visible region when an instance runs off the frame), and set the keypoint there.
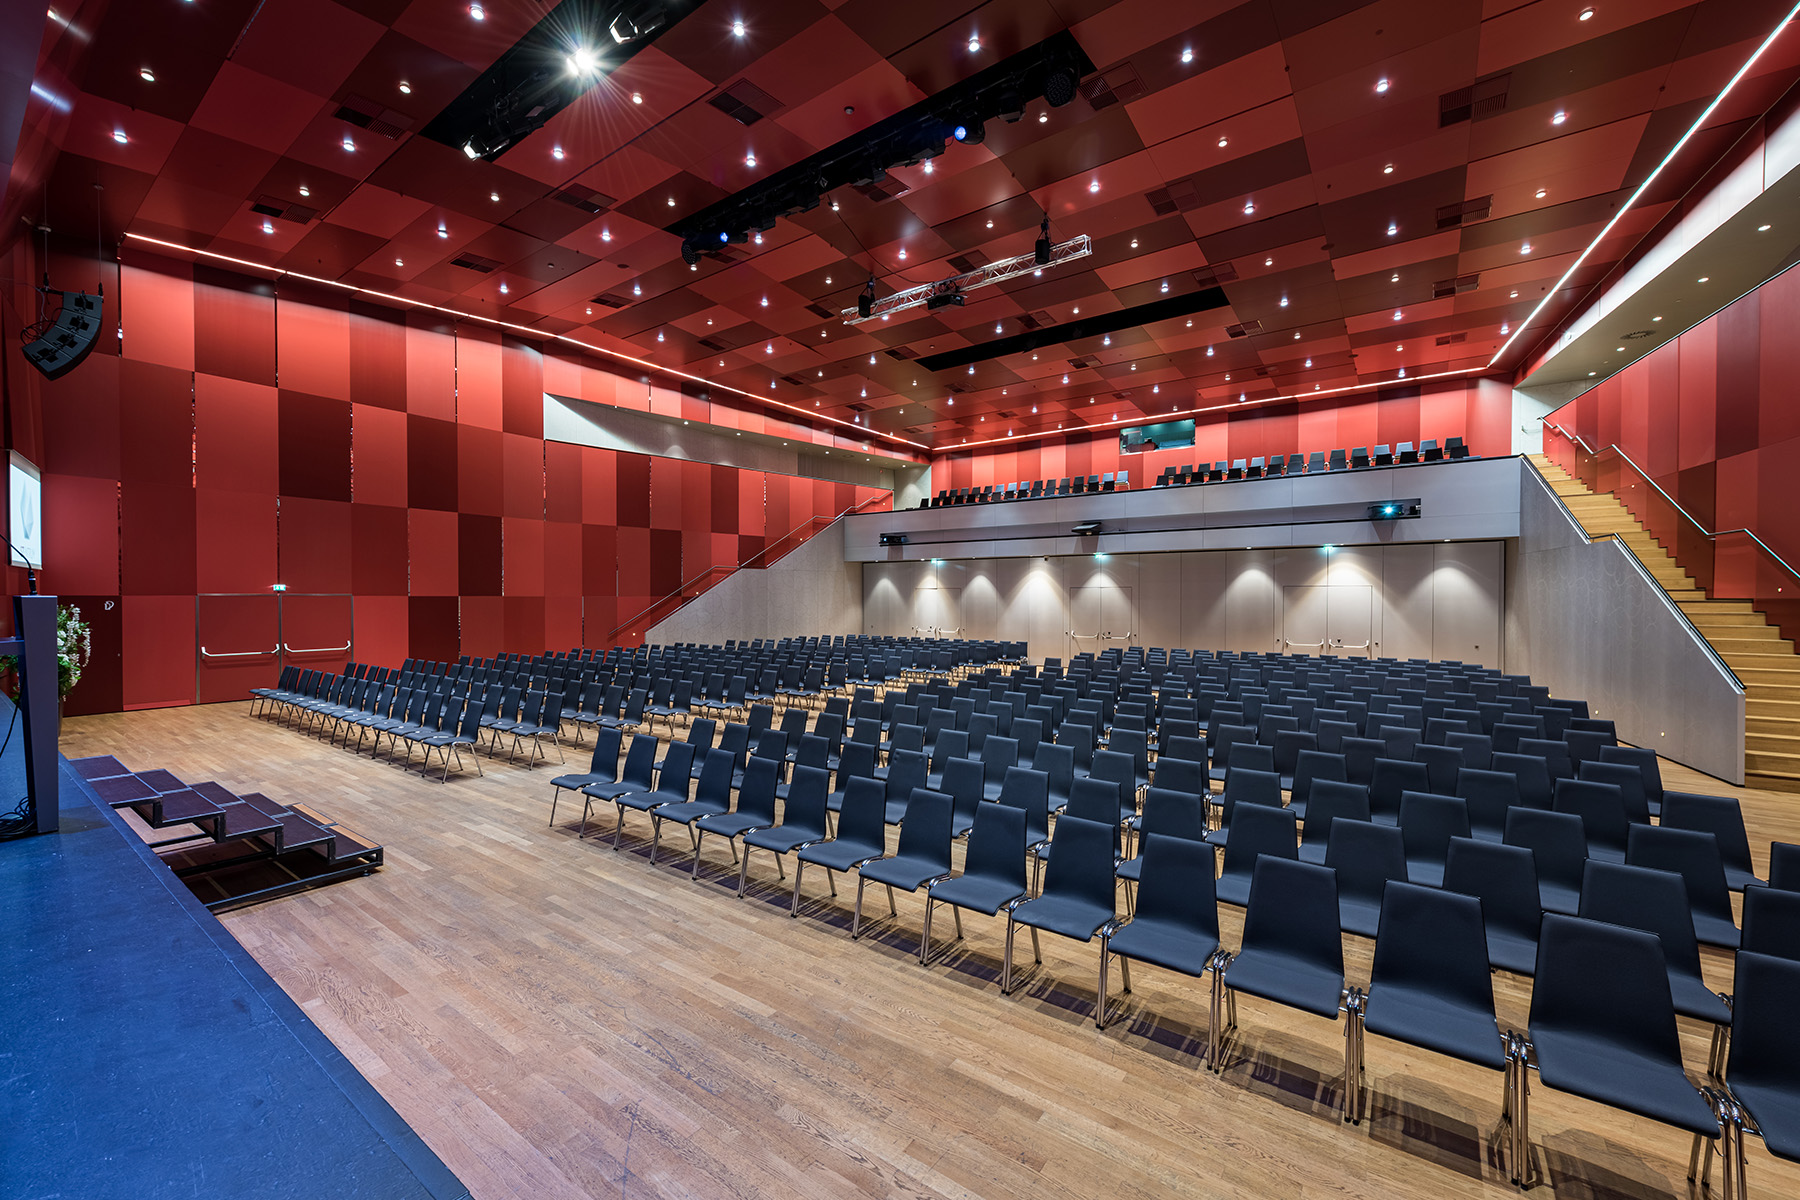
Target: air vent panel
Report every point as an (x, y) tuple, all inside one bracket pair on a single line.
[(474, 262), (745, 103)]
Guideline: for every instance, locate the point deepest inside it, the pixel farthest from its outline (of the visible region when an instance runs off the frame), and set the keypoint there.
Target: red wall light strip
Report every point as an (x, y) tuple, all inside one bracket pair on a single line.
[(859, 431), (1233, 406), (1649, 179)]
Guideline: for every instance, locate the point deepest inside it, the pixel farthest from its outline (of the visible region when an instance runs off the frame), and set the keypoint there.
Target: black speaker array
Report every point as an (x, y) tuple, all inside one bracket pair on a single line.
[(60, 348)]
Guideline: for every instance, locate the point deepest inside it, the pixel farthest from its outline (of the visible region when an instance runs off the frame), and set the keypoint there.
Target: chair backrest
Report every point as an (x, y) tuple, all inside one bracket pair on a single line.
[(1644, 760), (1434, 942), (1442, 766), (1630, 781), (1244, 786), (806, 808), (856, 762), (1601, 808), (962, 780), (1641, 898), (1690, 854), (1392, 779), (677, 770), (1081, 861), (605, 762), (1765, 996), (1488, 795), (1532, 774), (1316, 766), (863, 819), (1720, 816), (1333, 799), (1260, 829), (1784, 866), (997, 845), (1176, 885), (1293, 910), (1058, 765), (640, 763), (1366, 856), (756, 795), (1028, 790), (1428, 822), (1174, 814), (925, 833), (1504, 877), (1557, 841), (1181, 775), (715, 778), (1607, 983), (1771, 922)]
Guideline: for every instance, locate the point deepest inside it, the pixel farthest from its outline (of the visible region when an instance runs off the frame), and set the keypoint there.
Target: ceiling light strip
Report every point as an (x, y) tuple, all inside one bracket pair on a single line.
[(1231, 406), (761, 401), (1649, 179)]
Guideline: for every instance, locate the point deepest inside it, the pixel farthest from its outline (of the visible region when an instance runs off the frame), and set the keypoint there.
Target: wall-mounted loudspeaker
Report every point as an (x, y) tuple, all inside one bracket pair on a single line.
[(57, 347)]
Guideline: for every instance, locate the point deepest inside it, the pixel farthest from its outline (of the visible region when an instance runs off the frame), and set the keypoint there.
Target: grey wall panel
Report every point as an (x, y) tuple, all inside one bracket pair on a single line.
[(812, 590), (1587, 622)]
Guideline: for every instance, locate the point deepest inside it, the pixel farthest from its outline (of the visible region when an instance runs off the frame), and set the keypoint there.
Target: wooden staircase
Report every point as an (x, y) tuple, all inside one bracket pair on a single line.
[(1754, 649)]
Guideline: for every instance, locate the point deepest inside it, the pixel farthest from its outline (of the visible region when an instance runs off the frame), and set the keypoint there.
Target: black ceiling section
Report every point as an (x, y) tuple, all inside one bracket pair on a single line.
[(1202, 300)]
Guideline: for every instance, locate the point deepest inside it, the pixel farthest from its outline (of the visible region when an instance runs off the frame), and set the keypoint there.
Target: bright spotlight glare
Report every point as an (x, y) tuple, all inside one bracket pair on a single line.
[(583, 61)]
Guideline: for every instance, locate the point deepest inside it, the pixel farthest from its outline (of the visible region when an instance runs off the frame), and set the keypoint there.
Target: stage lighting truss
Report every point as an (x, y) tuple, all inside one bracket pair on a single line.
[(994, 272)]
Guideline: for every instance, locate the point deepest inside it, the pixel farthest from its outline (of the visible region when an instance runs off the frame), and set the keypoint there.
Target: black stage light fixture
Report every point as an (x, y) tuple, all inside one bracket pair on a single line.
[(893, 539), (1041, 252), (1393, 510), (865, 302), (690, 253), (1059, 86), (952, 298), (970, 133), (1086, 529), (635, 20)]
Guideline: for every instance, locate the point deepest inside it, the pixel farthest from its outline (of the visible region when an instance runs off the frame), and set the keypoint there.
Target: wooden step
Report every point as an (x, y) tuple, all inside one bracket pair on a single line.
[(1772, 708), (1774, 743), (1767, 763), (1726, 606), (1746, 626), (1769, 647), (1779, 726), (1763, 690)]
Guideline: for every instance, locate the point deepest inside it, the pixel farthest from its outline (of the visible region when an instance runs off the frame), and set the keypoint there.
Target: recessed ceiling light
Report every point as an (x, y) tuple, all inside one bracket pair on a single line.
[(637, 289), (443, 232), (1591, 374), (1656, 318), (1209, 352), (1393, 229), (1065, 379), (1224, 142), (659, 335), (1542, 192), (1587, 14), (478, 12), (1190, 323), (1309, 362), (1296, 335), (305, 191), (1249, 208), (590, 312), (1525, 249), (1284, 302), (146, 74), (504, 289), (606, 235), (1505, 327), (750, 159), (974, 43), (1187, 54), (637, 97), (119, 136), (349, 144), (1618, 349), (834, 206), (268, 227), (1165, 286), (1094, 186), (1515, 294), (1394, 278), (671, 202), (1398, 314), (1762, 229), (1381, 86), (903, 253), (405, 88), (1704, 278), (494, 196), (1268, 262), (556, 152), (737, 29), (1388, 170), (1559, 118)]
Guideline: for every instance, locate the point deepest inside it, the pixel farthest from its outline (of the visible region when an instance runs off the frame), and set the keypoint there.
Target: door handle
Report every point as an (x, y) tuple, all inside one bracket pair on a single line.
[(286, 649)]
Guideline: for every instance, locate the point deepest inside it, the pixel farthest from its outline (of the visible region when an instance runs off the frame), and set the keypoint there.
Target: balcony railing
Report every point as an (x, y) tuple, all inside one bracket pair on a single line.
[(1726, 564)]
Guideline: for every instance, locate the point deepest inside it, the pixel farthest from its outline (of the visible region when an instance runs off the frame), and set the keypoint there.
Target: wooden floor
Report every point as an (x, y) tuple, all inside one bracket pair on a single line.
[(557, 1020)]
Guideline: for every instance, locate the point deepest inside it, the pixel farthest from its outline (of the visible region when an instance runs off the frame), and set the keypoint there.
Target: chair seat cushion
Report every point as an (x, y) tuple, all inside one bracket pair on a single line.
[(1064, 915), (1419, 1018), (779, 838), (1359, 916), (1425, 872), (1737, 879), (903, 871), (691, 811), (1164, 944), (1509, 952), (730, 824), (611, 791), (643, 801), (841, 854), (1558, 898), (1286, 980), (1132, 869), (1693, 999), (978, 893), (1233, 889), (1585, 1066), (1716, 931), (579, 781), (1776, 1112)]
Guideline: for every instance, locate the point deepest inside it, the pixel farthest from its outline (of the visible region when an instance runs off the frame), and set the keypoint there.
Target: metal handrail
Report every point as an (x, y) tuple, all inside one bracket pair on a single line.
[(287, 649), (205, 653), (680, 592), (1712, 535)]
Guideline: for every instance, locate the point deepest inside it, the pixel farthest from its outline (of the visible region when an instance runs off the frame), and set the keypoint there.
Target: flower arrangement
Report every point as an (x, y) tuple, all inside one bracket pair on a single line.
[(74, 646)]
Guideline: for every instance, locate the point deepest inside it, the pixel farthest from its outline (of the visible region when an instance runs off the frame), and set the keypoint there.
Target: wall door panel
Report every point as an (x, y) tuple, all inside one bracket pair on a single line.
[(1349, 620), (239, 645), (1304, 619), (317, 631)]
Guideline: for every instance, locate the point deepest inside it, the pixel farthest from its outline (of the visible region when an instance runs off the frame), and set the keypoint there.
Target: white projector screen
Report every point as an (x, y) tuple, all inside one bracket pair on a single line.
[(27, 532)]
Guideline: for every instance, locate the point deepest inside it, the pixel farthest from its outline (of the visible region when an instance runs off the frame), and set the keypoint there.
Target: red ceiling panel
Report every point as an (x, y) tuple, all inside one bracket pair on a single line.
[(1291, 88)]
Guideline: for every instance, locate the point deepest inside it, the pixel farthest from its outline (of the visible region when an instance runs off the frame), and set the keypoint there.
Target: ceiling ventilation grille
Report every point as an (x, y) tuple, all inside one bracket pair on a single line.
[(901, 353), (1179, 196), (1453, 339), (1213, 276), (1635, 334), (820, 311), (586, 199), (745, 103), (1452, 215), (474, 262), (1484, 99), (1120, 85), (1444, 288), (368, 114), (1243, 330), (1078, 364), (275, 206), (793, 381), (611, 300), (858, 408)]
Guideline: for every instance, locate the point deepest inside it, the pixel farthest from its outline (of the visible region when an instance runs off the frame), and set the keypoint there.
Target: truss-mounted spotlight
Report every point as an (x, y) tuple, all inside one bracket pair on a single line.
[(635, 20), (1059, 86), (1041, 252), (583, 61), (865, 302), (690, 253), (970, 133)]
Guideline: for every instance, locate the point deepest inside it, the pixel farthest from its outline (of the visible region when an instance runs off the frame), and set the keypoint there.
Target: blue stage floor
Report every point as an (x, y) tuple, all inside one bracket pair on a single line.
[(147, 1055)]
